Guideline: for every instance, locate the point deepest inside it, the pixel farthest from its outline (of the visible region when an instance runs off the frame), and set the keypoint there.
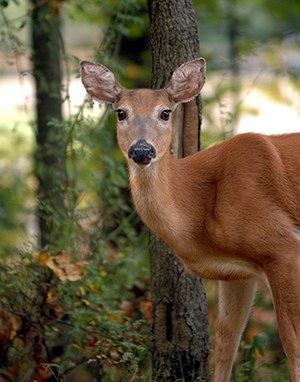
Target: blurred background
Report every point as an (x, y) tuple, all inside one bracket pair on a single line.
[(58, 307)]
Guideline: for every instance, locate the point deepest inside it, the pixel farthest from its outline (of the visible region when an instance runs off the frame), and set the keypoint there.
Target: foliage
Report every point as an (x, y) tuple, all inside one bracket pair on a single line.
[(124, 45), (68, 307), (68, 313), (84, 307), (255, 368), (254, 40), (14, 191)]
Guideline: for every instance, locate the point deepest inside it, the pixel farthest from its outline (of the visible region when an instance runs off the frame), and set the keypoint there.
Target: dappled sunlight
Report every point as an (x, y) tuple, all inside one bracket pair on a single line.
[(270, 117)]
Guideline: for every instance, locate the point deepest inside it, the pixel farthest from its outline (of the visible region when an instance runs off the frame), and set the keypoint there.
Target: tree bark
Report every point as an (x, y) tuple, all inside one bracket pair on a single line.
[(180, 344), (50, 150)]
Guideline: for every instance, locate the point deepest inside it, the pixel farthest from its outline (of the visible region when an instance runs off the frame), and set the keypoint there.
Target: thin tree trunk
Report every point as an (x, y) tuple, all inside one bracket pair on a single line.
[(49, 135), (233, 25), (180, 344)]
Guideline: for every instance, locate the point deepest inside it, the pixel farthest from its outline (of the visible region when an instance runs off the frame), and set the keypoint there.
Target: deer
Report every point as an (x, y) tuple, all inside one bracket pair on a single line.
[(230, 212)]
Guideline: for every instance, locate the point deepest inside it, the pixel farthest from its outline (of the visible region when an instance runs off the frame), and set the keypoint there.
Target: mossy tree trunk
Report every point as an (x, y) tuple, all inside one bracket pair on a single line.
[(180, 344), (50, 152)]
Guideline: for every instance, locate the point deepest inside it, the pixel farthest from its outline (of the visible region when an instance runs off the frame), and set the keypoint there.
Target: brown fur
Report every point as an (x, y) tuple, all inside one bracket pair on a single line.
[(231, 212)]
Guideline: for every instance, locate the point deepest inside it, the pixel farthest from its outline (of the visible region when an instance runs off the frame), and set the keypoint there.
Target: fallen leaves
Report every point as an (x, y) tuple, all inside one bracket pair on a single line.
[(64, 269)]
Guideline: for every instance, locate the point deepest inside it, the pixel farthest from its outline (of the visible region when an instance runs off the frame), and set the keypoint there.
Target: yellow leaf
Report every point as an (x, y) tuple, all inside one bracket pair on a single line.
[(82, 290), (93, 288), (25, 261), (113, 317), (42, 258)]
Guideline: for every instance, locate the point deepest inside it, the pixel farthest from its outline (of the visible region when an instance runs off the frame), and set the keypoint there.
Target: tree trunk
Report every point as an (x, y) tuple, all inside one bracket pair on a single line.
[(180, 344), (49, 134)]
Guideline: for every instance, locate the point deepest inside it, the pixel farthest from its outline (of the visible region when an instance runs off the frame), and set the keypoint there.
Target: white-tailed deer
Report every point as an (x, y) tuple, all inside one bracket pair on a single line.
[(231, 212)]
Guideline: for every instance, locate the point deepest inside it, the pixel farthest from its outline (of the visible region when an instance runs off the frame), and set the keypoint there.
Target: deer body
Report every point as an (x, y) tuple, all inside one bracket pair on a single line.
[(222, 230), (231, 212)]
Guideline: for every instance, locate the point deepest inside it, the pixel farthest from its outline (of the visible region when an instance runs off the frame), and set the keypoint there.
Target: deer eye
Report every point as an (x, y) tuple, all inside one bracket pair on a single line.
[(165, 115), (121, 114)]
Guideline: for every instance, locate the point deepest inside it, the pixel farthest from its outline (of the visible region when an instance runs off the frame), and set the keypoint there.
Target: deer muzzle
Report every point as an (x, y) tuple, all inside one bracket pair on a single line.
[(141, 152)]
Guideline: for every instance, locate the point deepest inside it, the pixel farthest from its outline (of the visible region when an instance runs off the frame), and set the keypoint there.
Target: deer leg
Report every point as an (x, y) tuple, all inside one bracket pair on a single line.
[(284, 280), (235, 301)]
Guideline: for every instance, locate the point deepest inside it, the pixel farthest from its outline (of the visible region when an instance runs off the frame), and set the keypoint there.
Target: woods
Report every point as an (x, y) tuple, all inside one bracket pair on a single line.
[(78, 299)]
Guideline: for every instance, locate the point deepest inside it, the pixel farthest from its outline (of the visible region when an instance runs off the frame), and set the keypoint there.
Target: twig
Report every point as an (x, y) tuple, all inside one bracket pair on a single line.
[(132, 379)]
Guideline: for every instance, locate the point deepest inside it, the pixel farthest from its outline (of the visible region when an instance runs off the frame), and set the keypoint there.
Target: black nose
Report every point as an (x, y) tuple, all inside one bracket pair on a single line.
[(142, 152)]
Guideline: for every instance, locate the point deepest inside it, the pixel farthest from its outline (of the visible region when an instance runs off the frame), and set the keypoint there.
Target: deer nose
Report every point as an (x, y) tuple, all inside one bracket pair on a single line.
[(142, 152)]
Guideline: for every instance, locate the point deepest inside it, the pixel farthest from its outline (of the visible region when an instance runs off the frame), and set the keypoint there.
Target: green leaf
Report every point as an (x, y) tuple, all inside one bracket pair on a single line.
[(3, 3)]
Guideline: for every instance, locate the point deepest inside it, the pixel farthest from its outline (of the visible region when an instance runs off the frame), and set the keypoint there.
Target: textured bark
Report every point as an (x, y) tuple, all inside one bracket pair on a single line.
[(49, 135), (180, 344)]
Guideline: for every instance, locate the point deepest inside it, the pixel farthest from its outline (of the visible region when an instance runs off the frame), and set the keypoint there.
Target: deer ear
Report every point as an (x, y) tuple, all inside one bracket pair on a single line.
[(99, 82), (187, 81)]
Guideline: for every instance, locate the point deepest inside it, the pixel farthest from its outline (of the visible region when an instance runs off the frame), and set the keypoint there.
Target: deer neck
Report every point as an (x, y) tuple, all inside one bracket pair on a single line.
[(157, 192)]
